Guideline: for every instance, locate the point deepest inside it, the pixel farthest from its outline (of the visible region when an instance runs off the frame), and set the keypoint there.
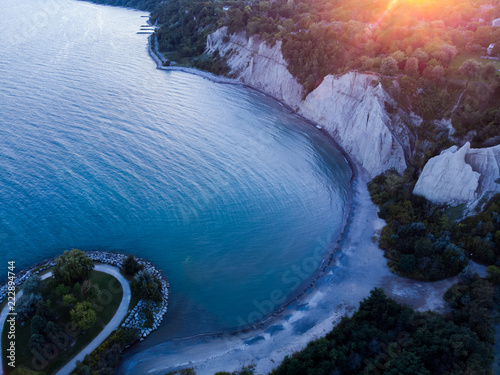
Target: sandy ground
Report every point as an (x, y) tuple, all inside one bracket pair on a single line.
[(357, 268)]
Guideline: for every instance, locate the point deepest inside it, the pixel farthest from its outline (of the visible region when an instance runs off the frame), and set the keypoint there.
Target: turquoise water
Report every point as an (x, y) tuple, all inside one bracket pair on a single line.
[(234, 198)]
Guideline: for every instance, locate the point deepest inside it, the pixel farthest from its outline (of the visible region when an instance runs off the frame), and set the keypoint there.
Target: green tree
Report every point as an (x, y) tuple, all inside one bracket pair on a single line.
[(389, 66), (146, 285), (411, 67), (69, 300), (494, 274), (489, 71), (52, 329), (84, 315), (26, 305), (38, 324), (470, 68), (73, 266), (32, 285), (36, 342), (90, 290), (131, 266), (62, 289)]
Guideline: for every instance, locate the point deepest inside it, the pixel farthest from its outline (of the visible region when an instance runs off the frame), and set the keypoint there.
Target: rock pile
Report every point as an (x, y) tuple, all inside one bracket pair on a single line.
[(23, 275), (136, 318)]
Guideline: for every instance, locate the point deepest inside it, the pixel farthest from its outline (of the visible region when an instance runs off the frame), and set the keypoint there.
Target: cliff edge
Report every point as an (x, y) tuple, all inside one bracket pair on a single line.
[(350, 107), (353, 109), (462, 175)]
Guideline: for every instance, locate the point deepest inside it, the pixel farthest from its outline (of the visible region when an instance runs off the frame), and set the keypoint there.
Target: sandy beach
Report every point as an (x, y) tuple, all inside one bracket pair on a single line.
[(355, 270), (357, 266)]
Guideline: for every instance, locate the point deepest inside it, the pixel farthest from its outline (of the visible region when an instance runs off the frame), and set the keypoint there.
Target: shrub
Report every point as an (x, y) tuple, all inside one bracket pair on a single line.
[(73, 266), (131, 266), (32, 285), (69, 300), (26, 305), (38, 325), (84, 315)]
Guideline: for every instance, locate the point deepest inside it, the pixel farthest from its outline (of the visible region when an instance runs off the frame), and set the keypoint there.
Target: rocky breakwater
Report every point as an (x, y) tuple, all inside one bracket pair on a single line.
[(21, 276), (137, 317), (461, 175), (351, 107)]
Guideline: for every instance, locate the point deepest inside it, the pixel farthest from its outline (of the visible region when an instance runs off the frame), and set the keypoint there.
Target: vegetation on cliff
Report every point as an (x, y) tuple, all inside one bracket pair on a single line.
[(430, 51), (421, 241)]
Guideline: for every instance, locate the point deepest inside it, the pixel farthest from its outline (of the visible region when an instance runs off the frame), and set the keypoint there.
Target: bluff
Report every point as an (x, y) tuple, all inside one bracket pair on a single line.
[(350, 107), (359, 114), (460, 175)]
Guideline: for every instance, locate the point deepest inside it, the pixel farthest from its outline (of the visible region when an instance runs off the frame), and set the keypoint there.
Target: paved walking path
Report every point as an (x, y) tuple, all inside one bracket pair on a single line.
[(113, 324)]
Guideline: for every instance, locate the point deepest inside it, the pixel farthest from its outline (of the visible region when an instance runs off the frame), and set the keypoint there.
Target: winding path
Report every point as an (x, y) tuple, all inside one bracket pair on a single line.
[(113, 324)]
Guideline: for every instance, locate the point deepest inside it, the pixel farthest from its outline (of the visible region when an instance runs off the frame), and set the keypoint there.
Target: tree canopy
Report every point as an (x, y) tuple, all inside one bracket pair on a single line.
[(73, 266)]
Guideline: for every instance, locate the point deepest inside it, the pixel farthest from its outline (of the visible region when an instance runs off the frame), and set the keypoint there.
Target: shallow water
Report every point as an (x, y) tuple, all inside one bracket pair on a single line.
[(234, 198)]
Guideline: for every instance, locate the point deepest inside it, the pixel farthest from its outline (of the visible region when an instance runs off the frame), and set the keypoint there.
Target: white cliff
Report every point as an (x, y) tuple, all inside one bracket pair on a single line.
[(258, 65), (352, 110), (462, 175), (349, 107)]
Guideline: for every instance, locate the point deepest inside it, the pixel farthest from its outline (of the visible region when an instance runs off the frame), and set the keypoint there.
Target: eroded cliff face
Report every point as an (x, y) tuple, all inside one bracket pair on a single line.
[(350, 107), (258, 65), (462, 175)]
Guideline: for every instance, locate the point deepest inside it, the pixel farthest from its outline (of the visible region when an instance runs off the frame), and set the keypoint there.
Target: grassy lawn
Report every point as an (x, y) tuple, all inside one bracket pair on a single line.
[(134, 298), (179, 61), (112, 295), (460, 58)]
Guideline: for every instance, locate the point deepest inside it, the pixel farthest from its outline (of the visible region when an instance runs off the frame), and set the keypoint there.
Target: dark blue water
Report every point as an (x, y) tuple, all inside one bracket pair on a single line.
[(232, 196)]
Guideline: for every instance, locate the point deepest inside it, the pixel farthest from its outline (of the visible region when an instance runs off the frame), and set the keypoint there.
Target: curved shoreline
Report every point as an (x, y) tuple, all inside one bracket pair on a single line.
[(333, 248), (354, 267)]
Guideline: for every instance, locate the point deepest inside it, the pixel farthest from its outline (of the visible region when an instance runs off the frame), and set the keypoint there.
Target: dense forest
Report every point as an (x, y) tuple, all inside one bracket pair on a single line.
[(429, 50), (385, 337), (421, 241)]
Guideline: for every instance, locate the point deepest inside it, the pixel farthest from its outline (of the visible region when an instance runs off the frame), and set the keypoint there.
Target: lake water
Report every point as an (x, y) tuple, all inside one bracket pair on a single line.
[(234, 198)]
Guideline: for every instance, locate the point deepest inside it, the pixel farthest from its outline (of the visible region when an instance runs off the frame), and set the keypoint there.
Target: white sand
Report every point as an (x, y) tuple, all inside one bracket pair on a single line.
[(357, 269)]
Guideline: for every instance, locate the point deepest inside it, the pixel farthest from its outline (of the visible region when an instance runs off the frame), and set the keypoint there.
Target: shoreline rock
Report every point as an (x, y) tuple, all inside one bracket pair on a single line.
[(114, 259), (134, 319)]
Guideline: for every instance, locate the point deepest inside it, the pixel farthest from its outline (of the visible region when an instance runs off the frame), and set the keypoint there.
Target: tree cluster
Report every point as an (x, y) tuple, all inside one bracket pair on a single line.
[(386, 337), (417, 238)]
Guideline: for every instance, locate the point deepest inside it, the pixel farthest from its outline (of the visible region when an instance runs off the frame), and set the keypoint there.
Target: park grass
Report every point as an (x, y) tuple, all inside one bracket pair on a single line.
[(460, 59), (174, 57), (105, 311)]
